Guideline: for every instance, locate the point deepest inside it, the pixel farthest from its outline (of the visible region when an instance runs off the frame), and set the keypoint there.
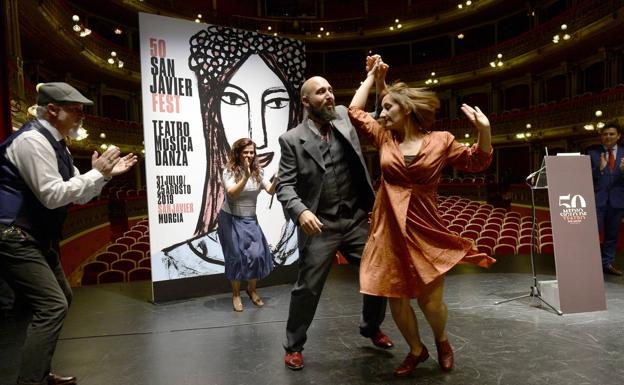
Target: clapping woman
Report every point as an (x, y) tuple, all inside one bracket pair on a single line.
[(245, 249)]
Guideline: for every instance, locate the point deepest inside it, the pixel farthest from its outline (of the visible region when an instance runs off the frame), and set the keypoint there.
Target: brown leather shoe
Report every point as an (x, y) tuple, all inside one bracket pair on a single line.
[(294, 360), (55, 379), (410, 362), (381, 340), (445, 355), (609, 269)]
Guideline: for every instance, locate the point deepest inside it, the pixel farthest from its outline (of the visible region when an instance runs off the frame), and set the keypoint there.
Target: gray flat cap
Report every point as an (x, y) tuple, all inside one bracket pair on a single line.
[(59, 92)]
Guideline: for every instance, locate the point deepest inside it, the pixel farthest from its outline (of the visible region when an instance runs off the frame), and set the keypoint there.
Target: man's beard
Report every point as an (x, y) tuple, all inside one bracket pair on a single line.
[(322, 114), (74, 132)]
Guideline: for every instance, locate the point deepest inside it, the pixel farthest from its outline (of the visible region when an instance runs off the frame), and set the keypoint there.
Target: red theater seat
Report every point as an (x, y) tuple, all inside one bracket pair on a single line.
[(523, 248), (140, 274), (488, 241), (117, 248), (107, 256), (485, 249), (145, 262), (470, 234), (142, 246), (125, 241), (90, 272), (507, 240), (504, 249), (111, 276), (124, 265), (133, 255), (546, 248)]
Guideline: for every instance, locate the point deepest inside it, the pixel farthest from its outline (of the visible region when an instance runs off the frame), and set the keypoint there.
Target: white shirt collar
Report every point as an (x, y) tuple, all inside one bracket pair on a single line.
[(48, 126)]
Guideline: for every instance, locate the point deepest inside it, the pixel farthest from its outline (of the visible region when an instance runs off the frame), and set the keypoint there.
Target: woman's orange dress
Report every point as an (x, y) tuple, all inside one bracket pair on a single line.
[(409, 245)]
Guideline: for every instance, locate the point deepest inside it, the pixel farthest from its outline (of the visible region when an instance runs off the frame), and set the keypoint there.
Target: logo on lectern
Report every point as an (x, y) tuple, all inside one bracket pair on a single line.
[(572, 208)]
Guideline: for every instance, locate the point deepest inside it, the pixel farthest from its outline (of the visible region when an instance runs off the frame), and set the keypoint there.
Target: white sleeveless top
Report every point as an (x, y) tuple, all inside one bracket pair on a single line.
[(245, 204)]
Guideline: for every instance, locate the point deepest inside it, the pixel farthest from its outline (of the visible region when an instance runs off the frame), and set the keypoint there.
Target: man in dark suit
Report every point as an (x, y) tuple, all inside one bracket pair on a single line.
[(608, 175), (325, 188), (38, 181)]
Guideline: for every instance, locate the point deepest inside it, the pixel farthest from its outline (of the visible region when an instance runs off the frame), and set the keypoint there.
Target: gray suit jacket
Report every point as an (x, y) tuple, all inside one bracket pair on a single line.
[(302, 170)]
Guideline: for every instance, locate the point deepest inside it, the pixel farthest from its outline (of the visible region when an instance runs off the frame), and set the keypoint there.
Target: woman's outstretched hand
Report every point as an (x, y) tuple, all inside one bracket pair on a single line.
[(476, 117)]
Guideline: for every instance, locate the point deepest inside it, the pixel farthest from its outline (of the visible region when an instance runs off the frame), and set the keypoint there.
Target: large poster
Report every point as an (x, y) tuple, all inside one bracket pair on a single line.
[(205, 86)]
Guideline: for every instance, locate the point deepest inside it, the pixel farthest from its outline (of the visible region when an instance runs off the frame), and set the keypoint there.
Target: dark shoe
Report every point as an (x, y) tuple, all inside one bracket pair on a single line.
[(609, 269), (445, 355), (381, 340), (410, 362), (255, 298), (55, 379), (294, 360)]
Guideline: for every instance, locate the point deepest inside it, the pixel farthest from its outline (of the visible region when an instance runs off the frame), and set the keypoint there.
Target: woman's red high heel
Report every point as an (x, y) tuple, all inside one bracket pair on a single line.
[(445, 355), (410, 362)]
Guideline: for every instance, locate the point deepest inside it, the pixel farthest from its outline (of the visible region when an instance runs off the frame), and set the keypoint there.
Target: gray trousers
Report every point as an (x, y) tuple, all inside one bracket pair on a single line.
[(37, 277), (348, 235)]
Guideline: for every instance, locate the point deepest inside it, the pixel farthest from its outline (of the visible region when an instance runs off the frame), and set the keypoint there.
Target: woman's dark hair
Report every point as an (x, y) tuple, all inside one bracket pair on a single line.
[(235, 165)]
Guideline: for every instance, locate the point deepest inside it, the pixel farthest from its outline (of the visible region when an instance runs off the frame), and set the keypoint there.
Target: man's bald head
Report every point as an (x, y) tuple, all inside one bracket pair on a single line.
[(317, 97), (312, 83)]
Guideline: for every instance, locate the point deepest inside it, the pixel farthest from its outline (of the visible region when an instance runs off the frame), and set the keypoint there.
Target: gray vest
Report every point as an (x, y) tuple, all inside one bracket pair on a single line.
[(339, 193)]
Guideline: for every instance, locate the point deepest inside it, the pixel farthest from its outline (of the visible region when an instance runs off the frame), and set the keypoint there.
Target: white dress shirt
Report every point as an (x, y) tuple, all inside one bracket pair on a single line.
[(36, 161)]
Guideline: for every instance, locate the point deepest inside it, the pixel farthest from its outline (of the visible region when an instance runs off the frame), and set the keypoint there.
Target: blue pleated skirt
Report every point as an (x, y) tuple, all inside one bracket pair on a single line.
[(245, 249)]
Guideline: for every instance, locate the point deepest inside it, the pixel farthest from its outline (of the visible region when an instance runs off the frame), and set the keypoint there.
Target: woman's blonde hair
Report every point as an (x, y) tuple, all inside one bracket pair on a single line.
[(420, 102)]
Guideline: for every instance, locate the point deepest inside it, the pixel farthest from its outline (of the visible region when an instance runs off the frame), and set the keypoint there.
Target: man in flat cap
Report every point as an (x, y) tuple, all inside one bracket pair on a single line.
[(38, 181)]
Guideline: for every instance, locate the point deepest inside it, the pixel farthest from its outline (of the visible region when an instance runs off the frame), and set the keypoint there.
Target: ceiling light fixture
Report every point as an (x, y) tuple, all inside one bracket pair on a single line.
[(80, 29), (498, 62), (432, 79)]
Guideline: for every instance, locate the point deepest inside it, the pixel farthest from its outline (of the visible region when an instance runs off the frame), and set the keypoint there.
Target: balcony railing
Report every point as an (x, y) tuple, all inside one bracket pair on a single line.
[(577, 17)]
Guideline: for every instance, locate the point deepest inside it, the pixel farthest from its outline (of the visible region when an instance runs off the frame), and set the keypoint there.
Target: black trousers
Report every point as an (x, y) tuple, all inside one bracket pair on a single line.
[(348, 235), (37, 276)]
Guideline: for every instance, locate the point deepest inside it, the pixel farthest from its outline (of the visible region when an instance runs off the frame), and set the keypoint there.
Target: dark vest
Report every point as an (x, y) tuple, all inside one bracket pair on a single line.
[(19, 206), (339, 193)]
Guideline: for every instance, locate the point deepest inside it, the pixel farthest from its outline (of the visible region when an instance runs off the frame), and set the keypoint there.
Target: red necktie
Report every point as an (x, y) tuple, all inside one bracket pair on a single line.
[(611, 160), (325, 130)]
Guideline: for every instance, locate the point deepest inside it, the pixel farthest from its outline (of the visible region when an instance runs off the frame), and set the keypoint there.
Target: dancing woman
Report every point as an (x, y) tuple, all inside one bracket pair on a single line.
[(409, 249)]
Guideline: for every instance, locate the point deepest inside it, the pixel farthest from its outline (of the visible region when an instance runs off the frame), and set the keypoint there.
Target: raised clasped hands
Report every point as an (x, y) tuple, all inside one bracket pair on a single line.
[(376, 67), (476, 117)]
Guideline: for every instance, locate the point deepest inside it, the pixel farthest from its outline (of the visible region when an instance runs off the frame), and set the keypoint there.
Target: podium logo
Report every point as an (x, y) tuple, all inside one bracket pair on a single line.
[(572, 208)]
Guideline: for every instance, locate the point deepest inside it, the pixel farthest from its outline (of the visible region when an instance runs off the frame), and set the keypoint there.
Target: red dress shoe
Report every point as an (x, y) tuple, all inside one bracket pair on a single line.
[(410, 362), (445, 355), (381, 340), (55, 379), (294, 360)]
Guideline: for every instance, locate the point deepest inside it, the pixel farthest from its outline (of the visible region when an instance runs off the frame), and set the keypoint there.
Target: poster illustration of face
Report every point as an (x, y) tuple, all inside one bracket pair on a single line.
[(204, 87)]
